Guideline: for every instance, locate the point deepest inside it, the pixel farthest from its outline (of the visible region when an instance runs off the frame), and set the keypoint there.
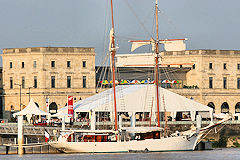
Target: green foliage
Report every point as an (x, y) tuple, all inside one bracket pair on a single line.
[(221, 143), (215, 144), (236, 144)]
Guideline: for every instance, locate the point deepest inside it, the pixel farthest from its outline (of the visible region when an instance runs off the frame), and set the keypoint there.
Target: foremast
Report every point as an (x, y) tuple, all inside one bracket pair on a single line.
[(113, 52), (156, 64)]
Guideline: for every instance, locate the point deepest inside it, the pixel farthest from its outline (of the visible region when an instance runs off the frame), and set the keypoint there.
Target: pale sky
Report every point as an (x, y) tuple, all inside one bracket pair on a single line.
[(208, 24)]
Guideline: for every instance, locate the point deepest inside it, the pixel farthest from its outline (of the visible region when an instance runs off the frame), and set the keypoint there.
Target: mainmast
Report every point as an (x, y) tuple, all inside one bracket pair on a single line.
[(113, 52), (156, 63)]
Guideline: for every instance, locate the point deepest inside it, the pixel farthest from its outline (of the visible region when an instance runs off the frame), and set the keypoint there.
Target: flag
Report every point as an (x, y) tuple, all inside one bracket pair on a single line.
[(46, 135), (70, 105), (47, 100)]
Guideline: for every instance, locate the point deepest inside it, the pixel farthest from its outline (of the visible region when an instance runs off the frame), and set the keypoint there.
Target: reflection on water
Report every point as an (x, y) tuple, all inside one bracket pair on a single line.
[(219, 154)]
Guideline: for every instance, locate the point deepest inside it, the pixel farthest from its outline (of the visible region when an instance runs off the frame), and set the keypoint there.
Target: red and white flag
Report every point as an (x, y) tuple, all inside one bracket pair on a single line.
[(46, 136), (70, 105)]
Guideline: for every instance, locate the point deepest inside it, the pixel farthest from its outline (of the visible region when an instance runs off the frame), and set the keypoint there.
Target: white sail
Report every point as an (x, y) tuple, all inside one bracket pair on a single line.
[(110, 41), (174, 45), (137, 44), (169, 44)]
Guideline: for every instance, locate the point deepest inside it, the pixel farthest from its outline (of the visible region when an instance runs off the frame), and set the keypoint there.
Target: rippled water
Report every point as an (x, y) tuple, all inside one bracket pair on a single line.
[(216, 154)]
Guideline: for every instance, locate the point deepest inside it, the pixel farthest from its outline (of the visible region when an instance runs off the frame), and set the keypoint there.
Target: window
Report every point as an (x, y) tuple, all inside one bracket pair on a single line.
[(35, 82), (53, 64), (12, 108), (84, 64), (210, 82), (34, 64), (68, 81), (225, 108), (10, 65), (52, 81), (22, 64), (84, 81), (11, 82), (23, 82), (238, 66), (210, 66), (224, 65), (68, 64), (193, 67), (238, 83), (224, 82)]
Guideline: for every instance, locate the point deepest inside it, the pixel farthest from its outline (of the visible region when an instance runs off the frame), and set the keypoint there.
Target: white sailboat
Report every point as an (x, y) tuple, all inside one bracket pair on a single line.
[(153, 139)]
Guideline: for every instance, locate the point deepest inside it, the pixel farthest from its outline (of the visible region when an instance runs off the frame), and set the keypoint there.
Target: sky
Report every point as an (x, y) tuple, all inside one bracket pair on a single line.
[(208, 24)]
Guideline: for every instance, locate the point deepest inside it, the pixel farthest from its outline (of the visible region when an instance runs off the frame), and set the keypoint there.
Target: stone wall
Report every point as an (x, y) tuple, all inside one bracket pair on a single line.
[(23, 65)]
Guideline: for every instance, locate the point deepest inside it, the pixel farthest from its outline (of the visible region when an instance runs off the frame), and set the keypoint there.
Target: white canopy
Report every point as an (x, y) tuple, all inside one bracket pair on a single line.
[(139, 98), (220, 115), (61, 114), (31, 109)]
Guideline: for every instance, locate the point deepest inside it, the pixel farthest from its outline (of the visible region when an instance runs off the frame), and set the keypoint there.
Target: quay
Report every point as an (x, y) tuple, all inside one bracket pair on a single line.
[(33, 148)]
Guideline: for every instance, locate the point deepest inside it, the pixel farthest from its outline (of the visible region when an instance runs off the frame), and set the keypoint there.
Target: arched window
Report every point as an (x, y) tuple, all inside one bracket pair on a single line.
[(237, 108), (225, 108), (211, 104), (53, 108), (12, 108)]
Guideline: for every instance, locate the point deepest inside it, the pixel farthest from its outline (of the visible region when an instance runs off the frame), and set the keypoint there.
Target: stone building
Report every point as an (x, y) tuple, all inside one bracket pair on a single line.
[(211, 77), (46, 73), (1, 94)]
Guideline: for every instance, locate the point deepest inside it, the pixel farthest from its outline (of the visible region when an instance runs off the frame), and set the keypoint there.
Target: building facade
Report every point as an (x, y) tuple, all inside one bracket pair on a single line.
[(46, 74), (213, 78)]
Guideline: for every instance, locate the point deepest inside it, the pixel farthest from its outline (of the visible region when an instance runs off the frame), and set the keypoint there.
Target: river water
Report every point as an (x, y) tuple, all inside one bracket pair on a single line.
[(216, 154)]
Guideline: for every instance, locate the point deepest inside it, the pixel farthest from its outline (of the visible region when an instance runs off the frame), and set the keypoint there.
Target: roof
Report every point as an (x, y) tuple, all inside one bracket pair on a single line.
[(31, 109), (138, 98)]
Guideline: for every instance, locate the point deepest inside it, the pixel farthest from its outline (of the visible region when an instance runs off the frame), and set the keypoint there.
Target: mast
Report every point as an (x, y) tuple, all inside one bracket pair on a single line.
[(113, 52), (156, 63)]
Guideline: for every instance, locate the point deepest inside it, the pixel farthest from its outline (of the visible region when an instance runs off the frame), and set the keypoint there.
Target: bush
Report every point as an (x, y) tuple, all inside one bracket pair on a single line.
[(236, 144), (221, 143)]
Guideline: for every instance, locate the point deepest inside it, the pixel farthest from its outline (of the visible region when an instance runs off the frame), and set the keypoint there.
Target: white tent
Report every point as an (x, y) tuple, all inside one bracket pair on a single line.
[(61, 114), (140, 98), (30, 110)]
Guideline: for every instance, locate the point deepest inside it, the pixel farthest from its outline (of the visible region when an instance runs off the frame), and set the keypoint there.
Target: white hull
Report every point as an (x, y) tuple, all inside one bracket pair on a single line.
[(179, 143)]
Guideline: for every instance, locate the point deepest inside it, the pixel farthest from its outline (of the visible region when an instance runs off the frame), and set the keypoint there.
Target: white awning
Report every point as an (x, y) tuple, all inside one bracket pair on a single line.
[(31, 109), (138, 98)]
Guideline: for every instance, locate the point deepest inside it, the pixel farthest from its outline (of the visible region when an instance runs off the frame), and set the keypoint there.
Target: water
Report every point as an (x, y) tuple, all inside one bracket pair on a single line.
[(216, 154)]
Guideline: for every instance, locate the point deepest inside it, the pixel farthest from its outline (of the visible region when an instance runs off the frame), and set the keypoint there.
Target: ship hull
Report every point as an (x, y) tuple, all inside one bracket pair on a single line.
[(179, 143)]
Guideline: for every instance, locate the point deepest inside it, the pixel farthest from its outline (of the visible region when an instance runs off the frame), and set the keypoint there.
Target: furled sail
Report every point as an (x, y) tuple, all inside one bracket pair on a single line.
[(138, 43), (110, 42), (174, 44), (169, 44)]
